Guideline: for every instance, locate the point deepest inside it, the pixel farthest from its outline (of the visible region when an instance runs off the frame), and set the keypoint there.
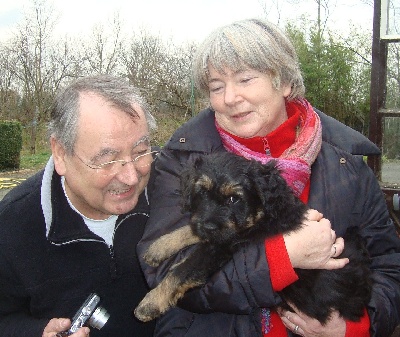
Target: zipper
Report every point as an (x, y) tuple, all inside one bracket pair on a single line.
[(113, 264), (266, 146)]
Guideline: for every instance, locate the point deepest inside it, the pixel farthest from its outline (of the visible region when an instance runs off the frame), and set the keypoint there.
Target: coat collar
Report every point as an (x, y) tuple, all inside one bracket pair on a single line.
[(345, 138), (202, 126)]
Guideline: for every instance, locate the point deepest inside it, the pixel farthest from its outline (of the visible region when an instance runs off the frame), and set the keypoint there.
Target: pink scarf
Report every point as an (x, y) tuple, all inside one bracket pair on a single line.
[(295, 163)]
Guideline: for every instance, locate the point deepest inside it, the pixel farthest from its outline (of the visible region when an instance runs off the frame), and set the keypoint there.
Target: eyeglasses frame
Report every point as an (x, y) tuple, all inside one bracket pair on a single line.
[(122, 161)]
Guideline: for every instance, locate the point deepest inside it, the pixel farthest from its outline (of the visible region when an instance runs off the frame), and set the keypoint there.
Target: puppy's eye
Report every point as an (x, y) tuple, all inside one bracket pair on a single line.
[(232, 199)]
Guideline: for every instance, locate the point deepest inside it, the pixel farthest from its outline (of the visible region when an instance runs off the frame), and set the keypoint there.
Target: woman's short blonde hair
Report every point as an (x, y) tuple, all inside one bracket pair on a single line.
[(254, 44)]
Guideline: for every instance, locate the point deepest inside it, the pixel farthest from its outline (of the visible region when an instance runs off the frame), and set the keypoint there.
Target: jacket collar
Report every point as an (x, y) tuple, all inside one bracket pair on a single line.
[(203, 127), (345, 138), (63, 224)]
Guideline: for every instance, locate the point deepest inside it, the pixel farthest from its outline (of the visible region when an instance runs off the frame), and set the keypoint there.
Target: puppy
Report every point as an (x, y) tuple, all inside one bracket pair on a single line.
[(232, 201)]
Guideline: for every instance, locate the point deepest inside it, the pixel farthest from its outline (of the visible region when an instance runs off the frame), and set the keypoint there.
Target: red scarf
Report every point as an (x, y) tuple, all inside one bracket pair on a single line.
[(295, 162)]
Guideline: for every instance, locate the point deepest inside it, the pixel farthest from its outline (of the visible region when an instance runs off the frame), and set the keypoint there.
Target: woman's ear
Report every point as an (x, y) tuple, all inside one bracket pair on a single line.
[(286, 90), (59, 154)]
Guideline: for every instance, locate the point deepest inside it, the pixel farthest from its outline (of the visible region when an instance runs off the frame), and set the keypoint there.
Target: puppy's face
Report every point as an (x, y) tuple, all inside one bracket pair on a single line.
[(221, 198)]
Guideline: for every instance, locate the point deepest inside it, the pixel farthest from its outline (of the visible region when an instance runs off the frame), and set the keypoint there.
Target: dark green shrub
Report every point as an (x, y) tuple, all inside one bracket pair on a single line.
[(10, 144)]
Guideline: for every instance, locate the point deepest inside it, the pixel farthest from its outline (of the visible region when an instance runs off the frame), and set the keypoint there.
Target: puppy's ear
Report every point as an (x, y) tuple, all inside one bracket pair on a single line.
[(276, 195), (188, 180), (186, 188)]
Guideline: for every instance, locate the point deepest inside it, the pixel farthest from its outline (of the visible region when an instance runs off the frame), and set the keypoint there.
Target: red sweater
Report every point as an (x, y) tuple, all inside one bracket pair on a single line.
[(281, 271)]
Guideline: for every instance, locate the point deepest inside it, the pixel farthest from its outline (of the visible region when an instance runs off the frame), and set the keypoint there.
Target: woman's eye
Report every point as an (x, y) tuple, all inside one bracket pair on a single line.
[(216, 89), (246, 80)]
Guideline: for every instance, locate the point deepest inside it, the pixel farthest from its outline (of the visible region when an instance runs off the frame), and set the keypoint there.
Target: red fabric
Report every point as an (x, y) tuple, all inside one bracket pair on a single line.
[(280, 268), (359, 329), (282, 274), (281, 271), (277, 327)]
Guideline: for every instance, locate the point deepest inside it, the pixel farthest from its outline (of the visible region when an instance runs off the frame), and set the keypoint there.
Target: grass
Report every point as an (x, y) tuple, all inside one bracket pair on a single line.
[(34, 161)]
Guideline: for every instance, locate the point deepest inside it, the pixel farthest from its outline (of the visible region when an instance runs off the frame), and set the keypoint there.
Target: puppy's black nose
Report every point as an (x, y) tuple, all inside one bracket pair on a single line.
[(209, 226)]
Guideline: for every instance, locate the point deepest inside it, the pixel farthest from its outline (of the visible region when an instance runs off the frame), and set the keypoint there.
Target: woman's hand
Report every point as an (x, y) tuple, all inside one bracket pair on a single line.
[(303, 325), (315, 245), (57, 325)]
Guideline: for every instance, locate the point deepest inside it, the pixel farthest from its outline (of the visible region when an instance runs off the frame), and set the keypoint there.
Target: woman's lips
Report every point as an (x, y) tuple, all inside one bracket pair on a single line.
[(241, 115)]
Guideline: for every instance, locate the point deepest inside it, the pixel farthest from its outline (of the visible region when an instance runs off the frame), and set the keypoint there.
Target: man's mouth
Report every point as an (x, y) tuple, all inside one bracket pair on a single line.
[(120, 191)]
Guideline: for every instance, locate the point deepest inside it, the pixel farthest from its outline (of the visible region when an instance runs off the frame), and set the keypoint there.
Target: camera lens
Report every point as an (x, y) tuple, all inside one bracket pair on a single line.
[(99, 317)]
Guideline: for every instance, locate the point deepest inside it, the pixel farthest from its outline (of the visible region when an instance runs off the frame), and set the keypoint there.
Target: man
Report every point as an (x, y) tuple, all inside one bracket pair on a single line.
[(71, 230)]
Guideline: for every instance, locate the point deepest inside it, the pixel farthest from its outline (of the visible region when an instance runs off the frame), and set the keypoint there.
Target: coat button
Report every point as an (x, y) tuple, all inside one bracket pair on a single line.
[(182, 140), (342, 161)]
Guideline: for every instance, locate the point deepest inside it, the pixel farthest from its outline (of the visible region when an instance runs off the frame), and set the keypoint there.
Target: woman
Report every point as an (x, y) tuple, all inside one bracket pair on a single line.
[(249, 71)]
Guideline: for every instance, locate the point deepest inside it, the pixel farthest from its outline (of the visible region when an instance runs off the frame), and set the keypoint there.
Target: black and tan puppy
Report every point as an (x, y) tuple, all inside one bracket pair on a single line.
[(233, 200)]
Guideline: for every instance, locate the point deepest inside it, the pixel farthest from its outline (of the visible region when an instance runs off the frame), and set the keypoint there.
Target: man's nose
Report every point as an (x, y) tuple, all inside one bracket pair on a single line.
[(128, 174)]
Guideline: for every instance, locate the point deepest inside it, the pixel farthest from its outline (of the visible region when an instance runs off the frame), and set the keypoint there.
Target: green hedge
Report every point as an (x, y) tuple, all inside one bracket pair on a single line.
[(10, 144)]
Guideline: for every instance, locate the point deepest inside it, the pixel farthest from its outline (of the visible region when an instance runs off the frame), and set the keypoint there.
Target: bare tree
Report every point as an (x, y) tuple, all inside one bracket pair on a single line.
[(141, 59), (174, 78), (39, 65), (103, 48), (9, 96)]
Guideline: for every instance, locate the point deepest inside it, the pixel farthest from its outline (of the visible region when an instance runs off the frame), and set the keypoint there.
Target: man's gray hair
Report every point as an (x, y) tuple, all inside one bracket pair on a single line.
[(254, 44), (65, 112)]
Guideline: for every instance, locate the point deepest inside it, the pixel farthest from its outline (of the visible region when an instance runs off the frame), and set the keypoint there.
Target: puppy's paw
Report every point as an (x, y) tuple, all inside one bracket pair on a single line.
[(146, 312), (155, 303), (152, 258)]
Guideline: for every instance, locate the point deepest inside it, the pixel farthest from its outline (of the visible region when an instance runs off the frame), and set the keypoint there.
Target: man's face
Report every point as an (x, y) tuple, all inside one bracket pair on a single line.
[(105, 133)]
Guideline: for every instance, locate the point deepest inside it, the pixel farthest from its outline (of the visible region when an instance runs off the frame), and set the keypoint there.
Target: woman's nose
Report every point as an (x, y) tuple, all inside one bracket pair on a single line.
[(231, 95)]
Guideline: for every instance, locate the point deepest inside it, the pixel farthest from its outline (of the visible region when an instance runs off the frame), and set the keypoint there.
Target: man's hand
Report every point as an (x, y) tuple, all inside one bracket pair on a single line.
[(57, 325)]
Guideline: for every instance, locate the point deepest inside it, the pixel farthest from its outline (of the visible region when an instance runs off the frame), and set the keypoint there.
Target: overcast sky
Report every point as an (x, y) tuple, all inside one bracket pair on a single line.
[(181, 19)]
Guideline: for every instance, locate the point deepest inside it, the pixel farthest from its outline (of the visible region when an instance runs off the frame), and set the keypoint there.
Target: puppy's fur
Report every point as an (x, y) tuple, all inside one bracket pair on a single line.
[(232, 201)]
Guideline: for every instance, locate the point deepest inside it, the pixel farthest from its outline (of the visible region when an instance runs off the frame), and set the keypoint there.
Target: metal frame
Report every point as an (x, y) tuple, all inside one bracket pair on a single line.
[(386, 20), (377, 91), (378, 112)]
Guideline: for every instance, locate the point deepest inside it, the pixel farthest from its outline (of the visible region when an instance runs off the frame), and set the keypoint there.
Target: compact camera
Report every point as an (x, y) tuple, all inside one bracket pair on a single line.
[(90, 314)]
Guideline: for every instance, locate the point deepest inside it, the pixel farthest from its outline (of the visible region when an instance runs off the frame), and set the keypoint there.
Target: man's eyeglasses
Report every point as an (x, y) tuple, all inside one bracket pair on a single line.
[(114, 166)]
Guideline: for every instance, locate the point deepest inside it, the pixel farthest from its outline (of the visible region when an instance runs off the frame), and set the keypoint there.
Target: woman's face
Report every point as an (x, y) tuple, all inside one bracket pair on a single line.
[(246, 103)]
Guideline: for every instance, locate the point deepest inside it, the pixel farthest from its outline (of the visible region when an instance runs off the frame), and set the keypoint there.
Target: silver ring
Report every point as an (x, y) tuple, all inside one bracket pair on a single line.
[(296, 328), (334, 247)]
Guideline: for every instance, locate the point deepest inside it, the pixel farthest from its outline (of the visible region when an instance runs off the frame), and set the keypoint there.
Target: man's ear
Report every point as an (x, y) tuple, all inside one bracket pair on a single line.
[(59, 155)]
